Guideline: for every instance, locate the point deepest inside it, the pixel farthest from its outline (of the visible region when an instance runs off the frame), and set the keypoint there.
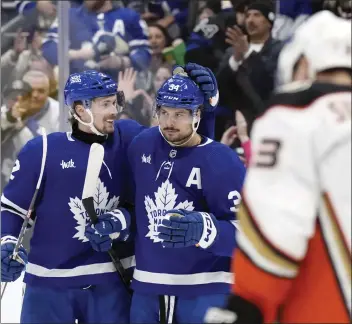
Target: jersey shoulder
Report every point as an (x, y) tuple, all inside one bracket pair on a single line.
[(147, 135), (127, 14), (127, 130), (301, 95), (219, 157), (300, 107)]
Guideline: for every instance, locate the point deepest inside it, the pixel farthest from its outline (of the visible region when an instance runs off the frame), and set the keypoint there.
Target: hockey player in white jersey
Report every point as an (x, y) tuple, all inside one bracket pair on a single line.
[(293, 260)]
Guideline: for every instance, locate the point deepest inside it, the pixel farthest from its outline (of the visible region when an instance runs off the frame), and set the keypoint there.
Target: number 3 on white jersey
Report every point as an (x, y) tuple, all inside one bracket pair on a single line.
[(15, 168), (236, 198)]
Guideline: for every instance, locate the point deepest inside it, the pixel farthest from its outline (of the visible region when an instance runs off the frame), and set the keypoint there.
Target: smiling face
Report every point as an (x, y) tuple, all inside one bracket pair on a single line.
[(175, 124), (157, 39), (104, 111)]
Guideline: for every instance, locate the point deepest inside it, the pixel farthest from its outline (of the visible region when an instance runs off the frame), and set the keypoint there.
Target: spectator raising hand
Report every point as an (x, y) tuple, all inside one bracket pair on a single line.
[(127, 81), (239, 131)]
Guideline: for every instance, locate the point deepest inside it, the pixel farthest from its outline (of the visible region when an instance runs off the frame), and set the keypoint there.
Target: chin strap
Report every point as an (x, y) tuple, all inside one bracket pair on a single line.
[(86, 104)]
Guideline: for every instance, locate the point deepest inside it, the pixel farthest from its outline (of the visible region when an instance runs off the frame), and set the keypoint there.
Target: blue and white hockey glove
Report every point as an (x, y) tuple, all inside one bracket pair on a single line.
[(11, 269), (100, 243), (206, 82), (184, 228), (114, 221)]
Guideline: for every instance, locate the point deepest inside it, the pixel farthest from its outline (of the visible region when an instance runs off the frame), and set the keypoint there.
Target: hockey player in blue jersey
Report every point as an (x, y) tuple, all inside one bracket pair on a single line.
[(66, 279), (186, 196), (102, 37)]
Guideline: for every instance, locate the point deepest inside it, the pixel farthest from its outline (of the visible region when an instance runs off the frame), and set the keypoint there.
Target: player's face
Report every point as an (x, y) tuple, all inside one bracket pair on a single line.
[(104, 111), (175, 124)]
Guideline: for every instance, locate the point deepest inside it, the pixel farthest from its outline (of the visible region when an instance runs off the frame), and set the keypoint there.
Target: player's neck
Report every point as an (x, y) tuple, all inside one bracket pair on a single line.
[(86, 137), (335, 77), (195, 140)]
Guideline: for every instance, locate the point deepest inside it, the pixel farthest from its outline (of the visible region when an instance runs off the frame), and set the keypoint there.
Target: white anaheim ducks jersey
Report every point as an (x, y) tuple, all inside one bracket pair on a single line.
[(294, 255)]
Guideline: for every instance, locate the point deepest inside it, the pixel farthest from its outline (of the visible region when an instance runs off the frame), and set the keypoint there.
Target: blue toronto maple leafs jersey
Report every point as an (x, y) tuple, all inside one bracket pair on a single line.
[(84, 25), (205, 178), (60, 254)]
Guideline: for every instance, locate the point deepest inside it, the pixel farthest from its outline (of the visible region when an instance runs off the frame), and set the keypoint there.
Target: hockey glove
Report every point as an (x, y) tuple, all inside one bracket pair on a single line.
[(238, 311), (11, 269), (182, 228), (103, 44), (100, 243), (206, 82), (113, 222)]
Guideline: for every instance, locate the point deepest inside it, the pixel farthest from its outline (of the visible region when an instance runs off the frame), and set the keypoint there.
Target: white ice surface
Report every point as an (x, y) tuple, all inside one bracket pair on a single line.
[(11, 303)]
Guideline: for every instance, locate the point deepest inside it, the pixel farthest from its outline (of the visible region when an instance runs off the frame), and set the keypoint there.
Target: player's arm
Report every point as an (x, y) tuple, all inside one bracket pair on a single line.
[(277, 217), (19, 191), (222, 187), (215, 229), (137, 36), (206, 81)]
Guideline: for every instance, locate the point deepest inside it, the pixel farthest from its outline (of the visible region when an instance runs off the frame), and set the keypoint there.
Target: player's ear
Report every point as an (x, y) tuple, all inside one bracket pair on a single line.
[(78, 108), (199, 113)]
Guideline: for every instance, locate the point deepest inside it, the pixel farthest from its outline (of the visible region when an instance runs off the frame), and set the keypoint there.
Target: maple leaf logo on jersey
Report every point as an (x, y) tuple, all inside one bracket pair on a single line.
[(165, 199), (101, 203)]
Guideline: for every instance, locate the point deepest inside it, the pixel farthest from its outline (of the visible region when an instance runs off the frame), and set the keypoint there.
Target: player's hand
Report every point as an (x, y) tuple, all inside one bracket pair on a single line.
[(206, 82), (182, 228), (11, 269), (100, 243), (114, 221)]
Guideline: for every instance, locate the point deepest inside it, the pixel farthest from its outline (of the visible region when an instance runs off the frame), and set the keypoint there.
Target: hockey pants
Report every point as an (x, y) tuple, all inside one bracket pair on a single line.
[(147, 309), (107, 303)]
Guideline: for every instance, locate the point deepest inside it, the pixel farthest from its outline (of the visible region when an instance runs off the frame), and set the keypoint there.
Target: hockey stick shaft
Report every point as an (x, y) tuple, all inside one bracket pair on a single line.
[(95, 161), (31, 205)]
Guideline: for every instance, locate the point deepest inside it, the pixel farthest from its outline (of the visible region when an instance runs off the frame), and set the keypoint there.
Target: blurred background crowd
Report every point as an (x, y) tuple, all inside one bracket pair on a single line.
[(138, 42)]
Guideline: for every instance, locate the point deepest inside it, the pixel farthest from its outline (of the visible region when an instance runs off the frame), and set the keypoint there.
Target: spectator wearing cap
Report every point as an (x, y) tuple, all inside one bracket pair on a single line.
[(27, 108), (246, 75)]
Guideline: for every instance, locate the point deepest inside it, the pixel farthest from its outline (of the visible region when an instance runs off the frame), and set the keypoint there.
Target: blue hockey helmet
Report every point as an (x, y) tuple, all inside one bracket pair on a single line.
[(180, 91), (88, 85)]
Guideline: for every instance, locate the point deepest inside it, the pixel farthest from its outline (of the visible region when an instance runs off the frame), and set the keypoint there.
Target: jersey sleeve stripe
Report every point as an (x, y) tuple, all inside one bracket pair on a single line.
[(338, 253), (251, 230), (12, 211), (261, 261), (8, 202), (337, 227)]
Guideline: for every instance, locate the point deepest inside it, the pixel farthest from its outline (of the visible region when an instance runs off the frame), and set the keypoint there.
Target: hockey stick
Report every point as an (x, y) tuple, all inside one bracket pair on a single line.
[(95, 161), (15, 255)]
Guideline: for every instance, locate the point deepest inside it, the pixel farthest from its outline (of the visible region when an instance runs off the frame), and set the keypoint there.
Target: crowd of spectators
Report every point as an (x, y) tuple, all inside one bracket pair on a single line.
[(138, 42)]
